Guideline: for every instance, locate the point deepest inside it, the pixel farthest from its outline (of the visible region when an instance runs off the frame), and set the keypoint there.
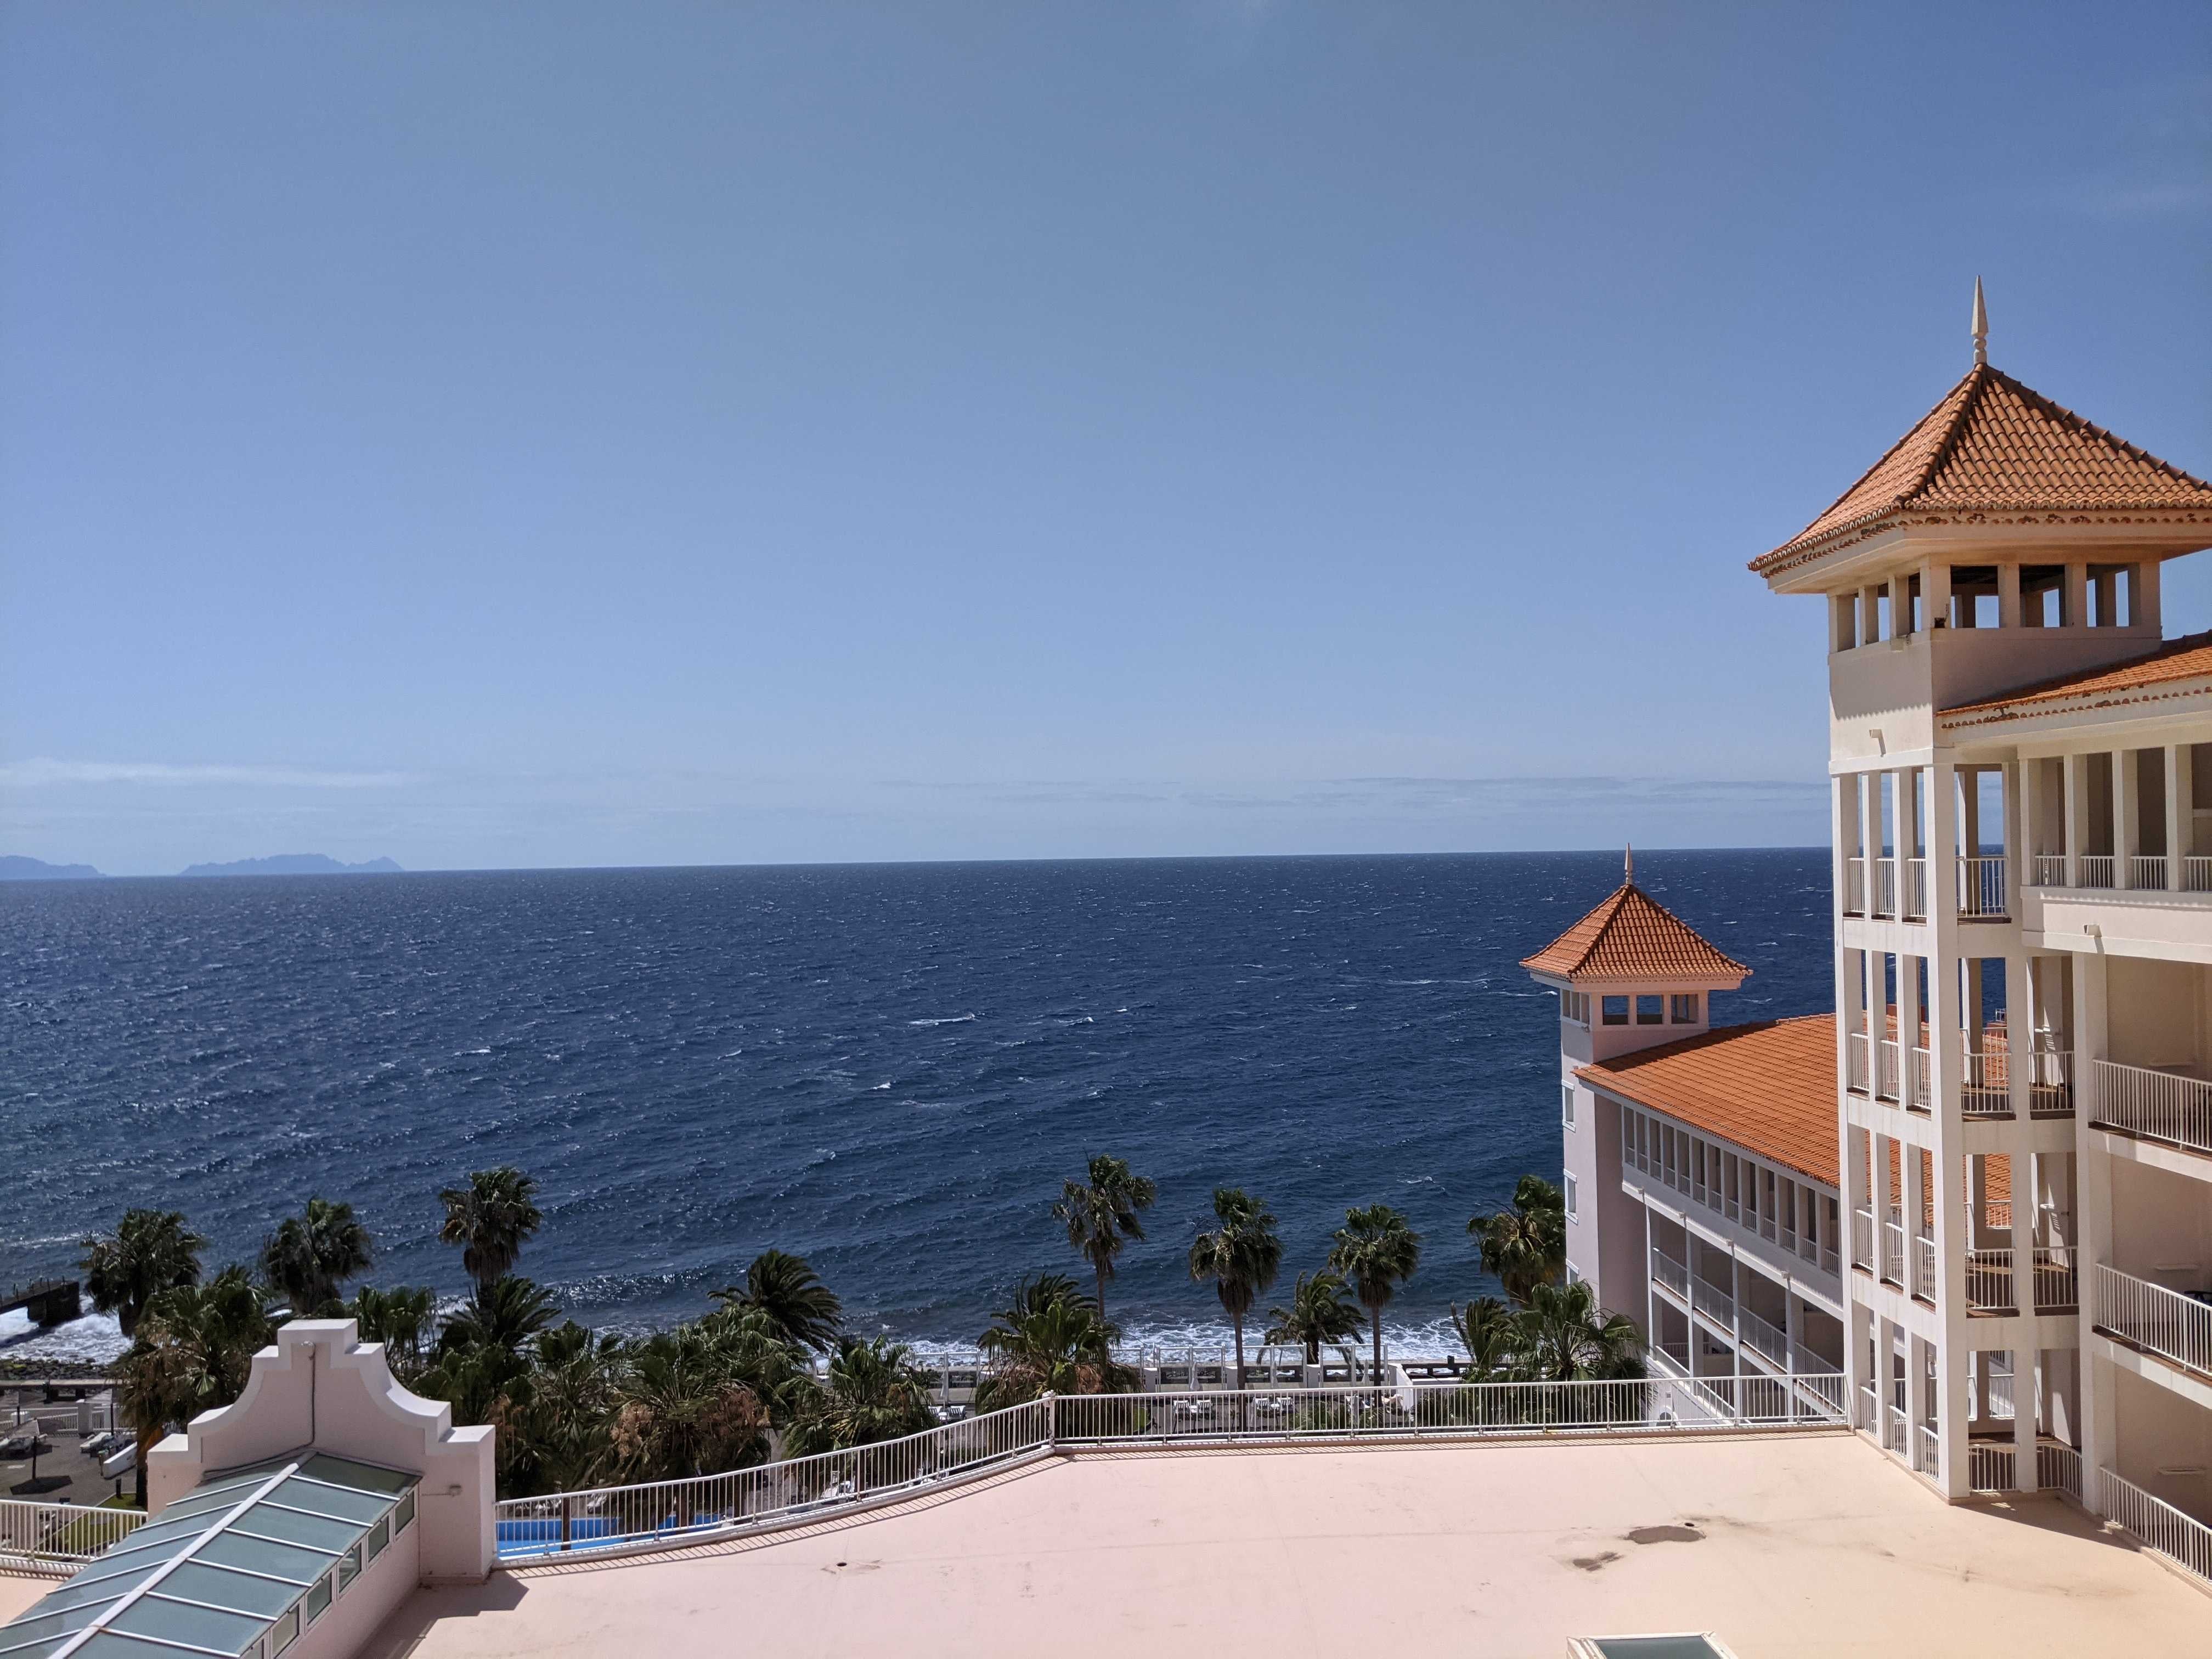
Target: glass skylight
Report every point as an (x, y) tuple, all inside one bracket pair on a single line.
[(238, 1568)]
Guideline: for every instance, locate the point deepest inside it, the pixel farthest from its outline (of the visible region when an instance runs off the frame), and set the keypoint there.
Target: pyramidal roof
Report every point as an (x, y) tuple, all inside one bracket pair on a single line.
[(1633, 936), (1995, 446)]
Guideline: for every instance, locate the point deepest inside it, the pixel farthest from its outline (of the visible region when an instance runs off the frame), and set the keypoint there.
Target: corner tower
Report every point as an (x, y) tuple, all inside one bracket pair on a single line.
[(1630, 975)]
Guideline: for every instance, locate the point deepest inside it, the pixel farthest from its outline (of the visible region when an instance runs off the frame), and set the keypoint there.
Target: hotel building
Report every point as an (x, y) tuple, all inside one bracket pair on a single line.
[(1984, 1184)]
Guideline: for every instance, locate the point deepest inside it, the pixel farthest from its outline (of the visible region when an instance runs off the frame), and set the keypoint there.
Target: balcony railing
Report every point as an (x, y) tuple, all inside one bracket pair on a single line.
[(1990, 1282), (1991, 1286), (1870, 1406), (1884, 887), (1922, 1079), (2154, 1319), (1982, 887), (1927, 1452), (2047, 870), (1892, 1250), (55, 1537), (1924, 1268), (1863, 1239), (2058, 1284), (2097, 870), (1763, 1338), (2197, 875), (1671, 1274), (1986, 1090), (2147, 870), (2058, 1468), (1915, 889), (1711, 1300), (2051, 1082), (1854, 887), (1854, 1062), (1893, 1432), (1892, 1069), (2182, 1539), (2156, 1105), (1990, 1465)]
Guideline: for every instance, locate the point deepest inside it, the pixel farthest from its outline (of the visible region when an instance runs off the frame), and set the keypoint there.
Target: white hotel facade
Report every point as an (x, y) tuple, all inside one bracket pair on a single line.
[(1983, 1185)]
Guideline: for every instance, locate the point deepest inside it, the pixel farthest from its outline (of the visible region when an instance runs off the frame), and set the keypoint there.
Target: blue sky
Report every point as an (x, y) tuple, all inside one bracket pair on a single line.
[(580, 435)]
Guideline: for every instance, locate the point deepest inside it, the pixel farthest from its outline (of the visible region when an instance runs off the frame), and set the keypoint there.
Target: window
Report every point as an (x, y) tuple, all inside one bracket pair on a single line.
[(1574, 1274), (1615, 1011), (1571, 1198), (1567, 1104), (1686, 1008), (1574, 1007), (1650, 1010)]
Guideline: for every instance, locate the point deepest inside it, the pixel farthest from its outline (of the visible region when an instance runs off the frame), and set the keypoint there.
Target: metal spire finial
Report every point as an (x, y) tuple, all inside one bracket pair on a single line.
[(1628, 867), (1981, 327)]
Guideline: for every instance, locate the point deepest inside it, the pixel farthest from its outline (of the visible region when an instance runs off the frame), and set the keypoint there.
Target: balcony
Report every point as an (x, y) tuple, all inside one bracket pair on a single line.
[(1713, 1302), (1991, 1290), (1763, 1338), (1863, 1239), (1983, 890), (1670, 1274), (1924, 1268), (2174, 1325), (2152, 1105), (1986, 1090), (1892, 1250)]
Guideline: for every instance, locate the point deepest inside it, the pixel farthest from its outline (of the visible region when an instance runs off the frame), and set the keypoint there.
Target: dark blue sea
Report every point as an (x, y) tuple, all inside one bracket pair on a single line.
[(887, 1069)]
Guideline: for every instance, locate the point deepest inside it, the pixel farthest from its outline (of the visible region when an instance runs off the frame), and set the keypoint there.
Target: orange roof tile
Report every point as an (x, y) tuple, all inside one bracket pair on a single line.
[(1631, 936), (1993, 445), (1769, 1088), (2188, 658)]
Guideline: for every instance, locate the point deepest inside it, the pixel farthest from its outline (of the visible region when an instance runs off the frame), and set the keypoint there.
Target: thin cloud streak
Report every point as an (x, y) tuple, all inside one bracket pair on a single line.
[(44, 773)]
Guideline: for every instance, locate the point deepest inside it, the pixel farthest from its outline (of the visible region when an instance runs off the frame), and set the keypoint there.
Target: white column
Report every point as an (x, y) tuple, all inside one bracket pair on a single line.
[(2127, 811), (2007, 596), (2026, 775), (2027, 1397), (2180, 820), (2077, 595), (2092, 1202), (2145, 597), (2077, 770)]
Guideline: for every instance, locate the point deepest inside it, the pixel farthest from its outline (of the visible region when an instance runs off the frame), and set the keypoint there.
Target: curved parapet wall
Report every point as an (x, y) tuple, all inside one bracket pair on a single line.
[(319, 1386)]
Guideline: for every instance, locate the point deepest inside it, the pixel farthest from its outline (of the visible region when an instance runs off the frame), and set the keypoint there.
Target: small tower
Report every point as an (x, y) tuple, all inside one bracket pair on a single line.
[(1630, 975)]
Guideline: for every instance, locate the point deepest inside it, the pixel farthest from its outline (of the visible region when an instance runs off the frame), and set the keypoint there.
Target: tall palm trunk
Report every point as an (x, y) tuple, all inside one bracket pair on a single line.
[(1236, 1324), (1101, 1268)]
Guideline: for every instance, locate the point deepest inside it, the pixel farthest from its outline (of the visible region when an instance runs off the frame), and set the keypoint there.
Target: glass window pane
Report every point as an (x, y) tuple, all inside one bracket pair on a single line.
[(372, 1545), (319, 1598), (362, 1477), (345, 1505), (349, 1567), (284, 1632), (109, 1645), (302, 1566), (296, 1528), (196, 1582), (403, 1514), (173, 1621)]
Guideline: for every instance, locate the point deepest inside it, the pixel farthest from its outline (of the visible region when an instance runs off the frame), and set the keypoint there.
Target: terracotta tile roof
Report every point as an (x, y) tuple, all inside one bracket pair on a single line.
[(1632, 936), (1994, 445), (1769, 1088), (2189, 657)]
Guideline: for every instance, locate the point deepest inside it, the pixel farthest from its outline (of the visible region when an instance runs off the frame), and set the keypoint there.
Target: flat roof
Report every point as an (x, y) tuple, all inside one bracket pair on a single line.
[(1806, 1545)]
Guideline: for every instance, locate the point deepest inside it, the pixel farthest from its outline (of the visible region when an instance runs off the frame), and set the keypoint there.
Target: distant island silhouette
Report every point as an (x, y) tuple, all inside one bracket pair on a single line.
[(13, 866), (295, 864)]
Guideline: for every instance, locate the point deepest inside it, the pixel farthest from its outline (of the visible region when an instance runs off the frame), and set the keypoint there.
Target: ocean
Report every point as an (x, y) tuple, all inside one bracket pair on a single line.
[(888, 1069)]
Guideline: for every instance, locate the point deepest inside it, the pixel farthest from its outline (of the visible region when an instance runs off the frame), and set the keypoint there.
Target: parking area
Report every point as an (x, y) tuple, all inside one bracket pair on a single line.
[(53, 1438)]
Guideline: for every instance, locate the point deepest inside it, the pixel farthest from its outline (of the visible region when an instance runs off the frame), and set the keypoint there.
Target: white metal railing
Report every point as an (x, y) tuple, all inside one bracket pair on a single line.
[(1854, 1062), (1886, 1088), (1922, 1079), (1863, 1239), (2058, 1468), (1711, 1300), (1986, 1088), (2147, 870), (2047, 870), (1997, 1400), (1927, 1452), (2051, 1082), (60, 1535), (2197, 875), (1893, 1432), (2155, 1104), (2154, 1318), (2096, 869), (804, 1490), (2057, 1287), (1915, 889), (1923, 1267), (1990, 1282), (1854, 887), (1991, 1466), (1763, 1337), (2181, 1538), (1892, 1250), (1982, 887), (1869, 1407), (1884, 887), (1670, 1274)]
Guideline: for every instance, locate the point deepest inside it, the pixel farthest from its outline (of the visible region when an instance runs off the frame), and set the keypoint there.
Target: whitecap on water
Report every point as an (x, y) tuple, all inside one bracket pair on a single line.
[(95, 1338)]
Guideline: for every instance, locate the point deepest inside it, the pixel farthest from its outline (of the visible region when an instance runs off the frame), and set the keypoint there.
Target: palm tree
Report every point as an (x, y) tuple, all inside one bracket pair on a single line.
[(506, 1317), (150, 1251), (1242, 1256), (490, 1219), (483, 1349), (399, 1318), (1486, 1325), (1318, 1313), (1565, 1337), (555, 1419), (310, 1255), (873, 1392), (1526, 1245), (789, 1292), (681, 1410), (1100, 1214), (1050, 1339), (192, 1352), (1375, 1251)]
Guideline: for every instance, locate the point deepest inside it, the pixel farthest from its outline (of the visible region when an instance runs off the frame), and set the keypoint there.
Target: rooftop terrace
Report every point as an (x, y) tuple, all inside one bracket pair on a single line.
[(1800, 1544)]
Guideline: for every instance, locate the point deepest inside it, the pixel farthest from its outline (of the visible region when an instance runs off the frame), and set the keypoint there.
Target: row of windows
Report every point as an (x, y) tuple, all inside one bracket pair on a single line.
[(1681, 1009), (1752, 1194)]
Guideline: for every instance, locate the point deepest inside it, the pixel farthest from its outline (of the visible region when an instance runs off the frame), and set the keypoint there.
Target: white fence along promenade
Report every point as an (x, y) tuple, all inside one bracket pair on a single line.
[(59, 1537)]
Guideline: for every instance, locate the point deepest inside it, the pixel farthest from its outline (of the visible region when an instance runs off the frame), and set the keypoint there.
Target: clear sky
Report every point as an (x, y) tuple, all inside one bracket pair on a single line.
[(541, 434)]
